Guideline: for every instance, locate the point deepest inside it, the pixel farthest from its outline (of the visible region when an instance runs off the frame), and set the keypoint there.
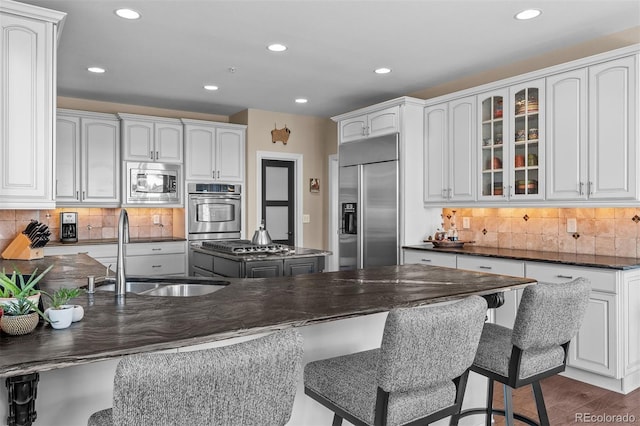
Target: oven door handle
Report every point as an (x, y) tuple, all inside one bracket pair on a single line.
[(214, 197)]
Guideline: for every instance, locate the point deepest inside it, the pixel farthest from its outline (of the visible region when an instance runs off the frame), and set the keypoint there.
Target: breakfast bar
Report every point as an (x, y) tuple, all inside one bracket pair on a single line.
[(337, 312)]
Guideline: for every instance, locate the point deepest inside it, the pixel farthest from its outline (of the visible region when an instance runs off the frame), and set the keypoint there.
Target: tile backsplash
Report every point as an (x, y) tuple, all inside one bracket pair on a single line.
[(601, 231), (93, 223)]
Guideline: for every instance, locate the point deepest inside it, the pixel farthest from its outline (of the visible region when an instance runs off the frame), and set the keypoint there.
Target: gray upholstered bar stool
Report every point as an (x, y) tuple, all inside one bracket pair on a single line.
[(250, 383), (548, 317), (417, 376)]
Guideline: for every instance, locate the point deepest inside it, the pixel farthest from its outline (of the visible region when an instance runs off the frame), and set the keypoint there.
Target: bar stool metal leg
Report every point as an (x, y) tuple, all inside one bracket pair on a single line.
[(542, 409)]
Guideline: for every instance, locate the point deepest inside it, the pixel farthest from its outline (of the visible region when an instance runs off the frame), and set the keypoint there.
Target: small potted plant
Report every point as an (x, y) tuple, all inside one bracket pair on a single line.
[(60, 313), (20, 317), (18, 285)]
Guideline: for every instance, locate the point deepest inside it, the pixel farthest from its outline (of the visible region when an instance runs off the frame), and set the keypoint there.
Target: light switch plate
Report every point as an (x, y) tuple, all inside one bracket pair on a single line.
[(572, 225), (156, 219), (306, 218), (466, 223)]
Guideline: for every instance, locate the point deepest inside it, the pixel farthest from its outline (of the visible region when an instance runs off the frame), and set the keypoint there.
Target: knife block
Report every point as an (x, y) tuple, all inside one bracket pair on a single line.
[(19, 249)]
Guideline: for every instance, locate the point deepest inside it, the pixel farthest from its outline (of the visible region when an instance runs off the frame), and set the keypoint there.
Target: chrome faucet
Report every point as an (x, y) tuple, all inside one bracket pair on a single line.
[(123, 238)]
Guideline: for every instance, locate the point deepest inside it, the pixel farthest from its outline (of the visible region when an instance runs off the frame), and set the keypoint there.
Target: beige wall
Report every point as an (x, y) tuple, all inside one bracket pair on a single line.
[(593, 47), (312, 137)]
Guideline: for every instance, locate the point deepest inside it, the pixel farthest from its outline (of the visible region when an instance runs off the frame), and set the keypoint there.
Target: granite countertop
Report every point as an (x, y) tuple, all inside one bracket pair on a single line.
[(244, 307), (294, 252), (609, 262), (115, 241)]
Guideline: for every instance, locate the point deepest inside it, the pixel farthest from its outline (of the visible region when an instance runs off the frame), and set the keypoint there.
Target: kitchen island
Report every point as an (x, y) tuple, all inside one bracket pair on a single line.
[(336, 312)]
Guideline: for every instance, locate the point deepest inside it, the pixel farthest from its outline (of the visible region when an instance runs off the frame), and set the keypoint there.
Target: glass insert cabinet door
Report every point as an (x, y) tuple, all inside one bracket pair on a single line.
[(526, 140), (494, 151)]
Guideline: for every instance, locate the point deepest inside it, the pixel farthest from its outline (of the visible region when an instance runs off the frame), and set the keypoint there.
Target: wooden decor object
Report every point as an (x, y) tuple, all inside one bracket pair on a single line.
[(20, 248), (280, 134)]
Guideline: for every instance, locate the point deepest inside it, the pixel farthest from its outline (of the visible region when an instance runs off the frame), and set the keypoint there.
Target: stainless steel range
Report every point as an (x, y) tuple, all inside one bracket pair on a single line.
[(243, 246)]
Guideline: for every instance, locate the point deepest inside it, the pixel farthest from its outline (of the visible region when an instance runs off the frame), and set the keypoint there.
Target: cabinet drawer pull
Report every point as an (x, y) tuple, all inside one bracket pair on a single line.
[(156, 249), (569, 277), (485, 267), (425, 260), (156, 266)]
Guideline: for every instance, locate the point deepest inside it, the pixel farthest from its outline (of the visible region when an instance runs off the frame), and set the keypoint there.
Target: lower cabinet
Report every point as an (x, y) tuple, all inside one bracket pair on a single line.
[(209, 265), (156, 259), (429, 258)]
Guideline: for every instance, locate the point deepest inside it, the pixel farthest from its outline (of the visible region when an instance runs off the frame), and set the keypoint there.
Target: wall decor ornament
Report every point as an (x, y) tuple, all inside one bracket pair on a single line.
[(281, 135), (314, 185)]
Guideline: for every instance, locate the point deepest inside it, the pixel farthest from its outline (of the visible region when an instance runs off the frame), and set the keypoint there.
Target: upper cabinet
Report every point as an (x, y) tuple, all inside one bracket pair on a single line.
[(87, 159), (450, 158), (376, 123), (146, 138), (214, 151), (567, 134), (592, 137), (28, 93)]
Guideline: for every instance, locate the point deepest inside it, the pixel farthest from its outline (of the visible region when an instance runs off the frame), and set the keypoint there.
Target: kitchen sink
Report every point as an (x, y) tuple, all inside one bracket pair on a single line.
[(176, 287)]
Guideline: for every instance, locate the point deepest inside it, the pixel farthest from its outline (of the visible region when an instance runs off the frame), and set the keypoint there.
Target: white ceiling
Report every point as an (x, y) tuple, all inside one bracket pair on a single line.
[(165, 58)]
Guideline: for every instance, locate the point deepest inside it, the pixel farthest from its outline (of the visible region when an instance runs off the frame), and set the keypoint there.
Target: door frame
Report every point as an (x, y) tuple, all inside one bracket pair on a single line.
[(298, 165)]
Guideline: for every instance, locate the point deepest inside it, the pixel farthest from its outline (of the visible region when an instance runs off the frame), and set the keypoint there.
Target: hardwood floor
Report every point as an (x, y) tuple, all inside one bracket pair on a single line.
[(568, 399)]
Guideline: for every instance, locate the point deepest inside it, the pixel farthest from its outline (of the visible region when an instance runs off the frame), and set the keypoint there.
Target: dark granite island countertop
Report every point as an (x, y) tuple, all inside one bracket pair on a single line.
[(245, 307), (590, 260)]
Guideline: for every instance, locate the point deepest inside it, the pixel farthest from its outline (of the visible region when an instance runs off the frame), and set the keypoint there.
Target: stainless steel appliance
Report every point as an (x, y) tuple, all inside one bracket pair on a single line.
[(243, 246), (214, 211), (368, 200), (69, 227), (152, 183)]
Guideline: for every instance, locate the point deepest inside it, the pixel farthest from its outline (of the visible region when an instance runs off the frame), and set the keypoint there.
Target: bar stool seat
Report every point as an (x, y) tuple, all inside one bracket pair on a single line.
[(418, 374), (249, 383), (548, 317)]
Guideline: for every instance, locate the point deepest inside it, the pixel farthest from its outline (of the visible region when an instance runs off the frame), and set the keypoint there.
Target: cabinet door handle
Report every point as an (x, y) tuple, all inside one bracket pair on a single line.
[(485, 267), (444, 193), (568, 277), (213, 174), (151, 155), (590, 188), (83, 195), (580, 189), (218, 174), (504, 192), (78, 195), (449, 194), (157, 155)]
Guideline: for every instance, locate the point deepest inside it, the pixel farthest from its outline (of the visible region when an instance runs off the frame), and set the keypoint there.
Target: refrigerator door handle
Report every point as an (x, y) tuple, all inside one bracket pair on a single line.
[(359, 219)]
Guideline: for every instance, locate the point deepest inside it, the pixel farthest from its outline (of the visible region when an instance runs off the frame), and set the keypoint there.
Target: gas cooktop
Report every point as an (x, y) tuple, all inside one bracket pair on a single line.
[(243, 246)]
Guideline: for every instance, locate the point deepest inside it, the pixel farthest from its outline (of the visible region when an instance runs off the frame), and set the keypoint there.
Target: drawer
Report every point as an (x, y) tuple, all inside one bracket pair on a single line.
[(426, 257), (144, 249), (93, 250), (157, 265), (490, 265), (601, 279)]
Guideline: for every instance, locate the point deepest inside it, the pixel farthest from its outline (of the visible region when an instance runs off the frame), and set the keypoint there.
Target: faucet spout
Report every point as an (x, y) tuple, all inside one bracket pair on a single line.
[(123, 238)]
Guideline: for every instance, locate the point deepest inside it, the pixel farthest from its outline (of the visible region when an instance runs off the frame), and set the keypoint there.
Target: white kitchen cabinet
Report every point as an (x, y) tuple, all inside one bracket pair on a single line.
[(27, 117), (506, 314), (107, 254), (595, 348), (493, 155), (147, 138), (567, 136), (450, 151), (87, 159), (375, 123), (592, 134), (613, 131), (156, 259), (214, 151), (425, 257)]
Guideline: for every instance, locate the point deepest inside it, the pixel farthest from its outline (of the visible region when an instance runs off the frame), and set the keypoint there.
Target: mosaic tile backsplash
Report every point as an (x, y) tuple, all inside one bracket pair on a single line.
[(601, 231), (93, 223)]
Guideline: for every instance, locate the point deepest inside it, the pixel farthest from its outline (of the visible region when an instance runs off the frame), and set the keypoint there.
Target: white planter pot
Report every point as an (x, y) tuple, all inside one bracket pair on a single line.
[(78, 313), (60, 318)]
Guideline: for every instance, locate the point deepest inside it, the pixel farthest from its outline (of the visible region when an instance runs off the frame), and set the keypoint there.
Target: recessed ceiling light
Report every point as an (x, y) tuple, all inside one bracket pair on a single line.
[(382, 70), (127, 14), (277, 47), (211, 87), (97, 70), (301, 101), (528, 14)]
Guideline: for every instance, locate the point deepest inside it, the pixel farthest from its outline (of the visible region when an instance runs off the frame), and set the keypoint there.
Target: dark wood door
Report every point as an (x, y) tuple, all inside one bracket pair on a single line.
[(278, 200)]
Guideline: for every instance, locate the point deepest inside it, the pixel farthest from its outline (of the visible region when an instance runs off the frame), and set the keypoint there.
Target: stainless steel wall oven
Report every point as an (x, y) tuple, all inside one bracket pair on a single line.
[(214, 211)]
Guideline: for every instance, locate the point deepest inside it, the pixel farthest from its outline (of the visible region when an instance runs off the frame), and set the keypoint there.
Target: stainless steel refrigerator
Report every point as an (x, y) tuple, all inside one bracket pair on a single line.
[(368, 202)]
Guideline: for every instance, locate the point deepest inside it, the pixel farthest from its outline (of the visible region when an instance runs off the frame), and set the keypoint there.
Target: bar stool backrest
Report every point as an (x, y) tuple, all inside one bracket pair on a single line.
[(550, 314), (431, 345)]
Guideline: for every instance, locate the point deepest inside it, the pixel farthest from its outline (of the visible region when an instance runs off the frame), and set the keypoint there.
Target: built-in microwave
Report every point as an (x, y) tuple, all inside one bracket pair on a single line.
[(153, 183)]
